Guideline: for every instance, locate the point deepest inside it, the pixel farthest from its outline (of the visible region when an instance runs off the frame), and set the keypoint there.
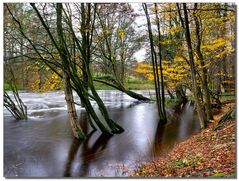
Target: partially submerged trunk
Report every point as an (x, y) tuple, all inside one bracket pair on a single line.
[(121, 88), (15, 104), (159, 99), (85, 50), (18, 112), (196, 91), (75, 126), (74, 122)]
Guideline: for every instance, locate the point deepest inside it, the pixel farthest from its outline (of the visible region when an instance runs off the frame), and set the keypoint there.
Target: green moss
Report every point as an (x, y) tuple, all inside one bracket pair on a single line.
[(171, 103), (217, 174), (189, 161)]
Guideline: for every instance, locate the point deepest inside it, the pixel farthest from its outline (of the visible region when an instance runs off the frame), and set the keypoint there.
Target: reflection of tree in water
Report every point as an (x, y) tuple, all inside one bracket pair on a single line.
[(71, 155), (88, 153), (166, 135), (158, 140)]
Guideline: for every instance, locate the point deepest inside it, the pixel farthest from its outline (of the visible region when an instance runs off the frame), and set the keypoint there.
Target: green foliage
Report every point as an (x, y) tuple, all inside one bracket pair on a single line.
[(101, 86), (182, 163), (6, 87), (227, 97), (217, 174), (191, 160), (106, 77), (137, 80), (134, 85), (171, 103)]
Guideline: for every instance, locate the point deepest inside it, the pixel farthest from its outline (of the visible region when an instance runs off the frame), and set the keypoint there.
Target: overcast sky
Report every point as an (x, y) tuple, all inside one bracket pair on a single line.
[(140, 20)]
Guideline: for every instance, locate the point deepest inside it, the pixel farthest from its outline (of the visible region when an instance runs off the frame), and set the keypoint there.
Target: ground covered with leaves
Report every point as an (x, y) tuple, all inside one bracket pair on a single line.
[(209, 153)]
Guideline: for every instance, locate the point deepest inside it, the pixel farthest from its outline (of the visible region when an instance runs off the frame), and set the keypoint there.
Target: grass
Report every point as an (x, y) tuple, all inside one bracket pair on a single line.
[(6, 87), (101, 86), (227, 96), (131, 84)]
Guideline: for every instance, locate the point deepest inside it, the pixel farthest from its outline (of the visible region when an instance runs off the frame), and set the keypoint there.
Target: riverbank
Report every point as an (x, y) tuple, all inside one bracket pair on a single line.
[(131, 84), (207, 154)]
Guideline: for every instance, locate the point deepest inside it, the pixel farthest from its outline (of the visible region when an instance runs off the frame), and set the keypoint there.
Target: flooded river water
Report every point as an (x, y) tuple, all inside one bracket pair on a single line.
[(43, 146)]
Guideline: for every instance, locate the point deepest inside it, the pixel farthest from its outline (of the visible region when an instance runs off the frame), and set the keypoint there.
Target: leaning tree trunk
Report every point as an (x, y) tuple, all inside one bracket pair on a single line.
[(74, 122), (121, 88), (115, 128), (86, 56), (15, 104), (76, 129)]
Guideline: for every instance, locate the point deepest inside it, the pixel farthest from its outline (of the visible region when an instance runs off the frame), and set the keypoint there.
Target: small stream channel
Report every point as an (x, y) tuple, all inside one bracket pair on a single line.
[(43, 146)]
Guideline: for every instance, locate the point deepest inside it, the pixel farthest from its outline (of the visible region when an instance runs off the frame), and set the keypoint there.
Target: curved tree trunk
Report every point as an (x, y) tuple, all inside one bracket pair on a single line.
[(123, 89), (86, 57)]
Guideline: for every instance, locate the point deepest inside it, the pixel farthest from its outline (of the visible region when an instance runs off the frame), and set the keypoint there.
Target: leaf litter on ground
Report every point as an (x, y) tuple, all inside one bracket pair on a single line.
[(208, 153)]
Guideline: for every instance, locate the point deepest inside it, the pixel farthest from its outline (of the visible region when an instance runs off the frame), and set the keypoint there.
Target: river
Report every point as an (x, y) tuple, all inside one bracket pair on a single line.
[(43, 146)]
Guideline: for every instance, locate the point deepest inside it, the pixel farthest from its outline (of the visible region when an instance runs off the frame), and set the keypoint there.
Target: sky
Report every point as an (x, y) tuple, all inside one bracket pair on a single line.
[(140, 20)]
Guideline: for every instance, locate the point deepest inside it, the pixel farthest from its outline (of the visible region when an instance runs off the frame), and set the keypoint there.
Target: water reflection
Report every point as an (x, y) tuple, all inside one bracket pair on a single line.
[(87, 153), (71, 156), (144, 139), (158, 140)]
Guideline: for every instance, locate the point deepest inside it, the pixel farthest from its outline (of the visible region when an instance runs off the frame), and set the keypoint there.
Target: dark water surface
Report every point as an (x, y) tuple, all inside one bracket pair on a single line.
[(43, 146)]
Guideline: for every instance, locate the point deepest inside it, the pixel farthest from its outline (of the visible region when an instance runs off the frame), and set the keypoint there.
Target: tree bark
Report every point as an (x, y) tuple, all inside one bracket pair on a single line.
[(206, 94), (160, 64), (86, 56), (161, 111), (75, 126), (123, 89), (196, 90)]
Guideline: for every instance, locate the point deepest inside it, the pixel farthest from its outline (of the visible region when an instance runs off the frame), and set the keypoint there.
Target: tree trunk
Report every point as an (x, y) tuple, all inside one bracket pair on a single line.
[(160, 64), (161, 110), (86, 56), (181, 95), (196, 91), (75, 126), (169, 92), (206, 94), (17, 108)]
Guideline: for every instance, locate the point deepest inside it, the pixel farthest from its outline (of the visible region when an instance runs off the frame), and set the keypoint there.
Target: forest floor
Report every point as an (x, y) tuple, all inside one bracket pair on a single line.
[(209, 153)]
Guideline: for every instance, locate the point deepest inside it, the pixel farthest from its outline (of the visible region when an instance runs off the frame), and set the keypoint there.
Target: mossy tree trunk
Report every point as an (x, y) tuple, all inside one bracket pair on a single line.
[(75, 126)]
